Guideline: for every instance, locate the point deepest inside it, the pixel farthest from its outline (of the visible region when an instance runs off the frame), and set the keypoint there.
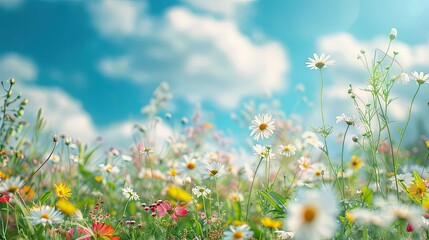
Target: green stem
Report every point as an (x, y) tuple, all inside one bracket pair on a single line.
[(251, 189), (217, 197), (408, 119), (342, 163)]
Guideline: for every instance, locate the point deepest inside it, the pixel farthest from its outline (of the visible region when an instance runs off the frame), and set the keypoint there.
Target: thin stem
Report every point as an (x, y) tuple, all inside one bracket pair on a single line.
[(217, 197), (342, 163), (251, 188), (47, 159), (426, 162), (408, 119)]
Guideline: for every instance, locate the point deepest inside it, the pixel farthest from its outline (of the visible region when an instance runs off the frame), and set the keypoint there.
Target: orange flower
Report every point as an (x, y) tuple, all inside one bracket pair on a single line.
[(102, 230)]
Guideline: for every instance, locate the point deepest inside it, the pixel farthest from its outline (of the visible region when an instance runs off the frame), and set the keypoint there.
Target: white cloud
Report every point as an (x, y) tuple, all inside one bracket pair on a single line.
[(16, 66), (221, 7), (207, 53), (345, 48), (119, 18), (11, 4), (121, 134), (63, 114)]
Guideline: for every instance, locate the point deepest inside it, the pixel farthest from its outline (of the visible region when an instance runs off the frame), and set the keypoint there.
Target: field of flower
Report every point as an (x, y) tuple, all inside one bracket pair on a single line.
[(195, 185)]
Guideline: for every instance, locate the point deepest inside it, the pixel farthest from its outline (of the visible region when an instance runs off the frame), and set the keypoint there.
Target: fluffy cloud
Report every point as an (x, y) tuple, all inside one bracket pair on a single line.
[(17, 66), (11, 4), (344, 47), (119, 18), (63, 114), (193, 51)]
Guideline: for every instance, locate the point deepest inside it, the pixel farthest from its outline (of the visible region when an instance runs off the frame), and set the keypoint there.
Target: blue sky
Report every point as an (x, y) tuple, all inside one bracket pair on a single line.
[(92, 65)]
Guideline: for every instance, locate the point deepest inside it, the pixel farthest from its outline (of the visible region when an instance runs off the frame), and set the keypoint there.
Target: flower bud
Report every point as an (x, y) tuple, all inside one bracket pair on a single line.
[(393, 33)]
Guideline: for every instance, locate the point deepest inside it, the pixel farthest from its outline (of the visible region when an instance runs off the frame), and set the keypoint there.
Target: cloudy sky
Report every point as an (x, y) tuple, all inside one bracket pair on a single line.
[(92, 65)]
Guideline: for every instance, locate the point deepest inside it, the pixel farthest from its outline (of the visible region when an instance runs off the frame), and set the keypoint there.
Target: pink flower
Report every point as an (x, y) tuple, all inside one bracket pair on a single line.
[(174, 212)]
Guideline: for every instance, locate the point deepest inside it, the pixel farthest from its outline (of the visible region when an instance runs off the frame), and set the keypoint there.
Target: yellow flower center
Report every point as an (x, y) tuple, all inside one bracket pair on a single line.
[(109, 168), (190, 165), (172, 172), (286, 149), (319, 64), (202, 190), (263, 126), (318, 173), (45, 216), (309, 213), (305, 165), (12, 189), (238, 235), (213, 173)]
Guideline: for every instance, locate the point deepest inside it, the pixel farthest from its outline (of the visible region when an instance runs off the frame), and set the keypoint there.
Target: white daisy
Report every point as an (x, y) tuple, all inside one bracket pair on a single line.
[(239, 232), (190, 166), (263, 151), (344, 118), (263, 126), (284, 235), (201, 191), (130, 194), (420, 77), (11, 185), (313, 216), (44, 214), (287, 150), (319, 62), (108, 168), (405, 178), (215, 170), (304, 163), (402, 78)]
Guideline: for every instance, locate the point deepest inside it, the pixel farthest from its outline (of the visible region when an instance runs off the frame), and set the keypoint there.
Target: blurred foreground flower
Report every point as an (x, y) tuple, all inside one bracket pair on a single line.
[(313, 216), (239, 232)]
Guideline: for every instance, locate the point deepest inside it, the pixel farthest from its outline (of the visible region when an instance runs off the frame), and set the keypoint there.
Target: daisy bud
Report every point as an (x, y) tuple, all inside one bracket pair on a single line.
[(143, 204), (409, 227), (393, 33), (12, 81), (153, 214)]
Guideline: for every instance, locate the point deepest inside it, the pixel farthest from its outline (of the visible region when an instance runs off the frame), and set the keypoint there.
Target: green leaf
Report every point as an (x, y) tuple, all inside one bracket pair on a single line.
[(45, 196), (366, 195), (199, 229)]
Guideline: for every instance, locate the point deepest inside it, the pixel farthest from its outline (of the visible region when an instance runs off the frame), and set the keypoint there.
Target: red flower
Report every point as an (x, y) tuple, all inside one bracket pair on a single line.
[(4, 197), (174, 212), (410, 227), (102, 230)]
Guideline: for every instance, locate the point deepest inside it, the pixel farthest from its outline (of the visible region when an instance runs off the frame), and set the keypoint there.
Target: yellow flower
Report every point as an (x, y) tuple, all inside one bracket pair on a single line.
[(178, 193), (350, 217), (238, 223), (172, 172), (66, 207), (270, 223), (62, 191), (356, 163), (98, 178), (417, 190), (427, 144), (26, 192)]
